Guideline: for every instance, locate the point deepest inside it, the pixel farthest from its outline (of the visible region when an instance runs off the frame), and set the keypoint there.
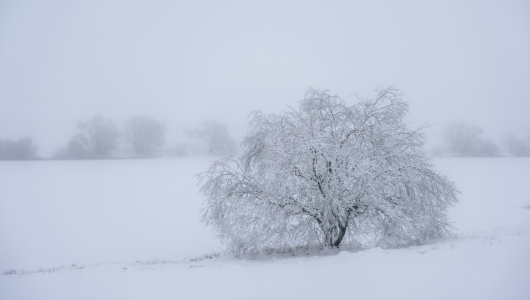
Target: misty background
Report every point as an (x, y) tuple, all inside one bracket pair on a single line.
[(182, 63)]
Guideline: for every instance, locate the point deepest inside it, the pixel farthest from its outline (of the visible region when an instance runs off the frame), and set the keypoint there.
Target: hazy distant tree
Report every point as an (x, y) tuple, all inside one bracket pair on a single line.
[(144, 134), (24, 148), (73, 150), (181, 149), (216, 136), (516, 146), (327, 173), (97, 137), (460, 137), (463, 139), (2, 149), (486, 147)]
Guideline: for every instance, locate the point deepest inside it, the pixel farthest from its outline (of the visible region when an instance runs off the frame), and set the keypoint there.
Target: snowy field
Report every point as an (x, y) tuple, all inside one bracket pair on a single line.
[(130, 229)]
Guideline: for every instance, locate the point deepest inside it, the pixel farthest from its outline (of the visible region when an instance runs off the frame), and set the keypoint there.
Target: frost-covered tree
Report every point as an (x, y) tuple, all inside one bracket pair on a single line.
[(325, 174), (144, 133)]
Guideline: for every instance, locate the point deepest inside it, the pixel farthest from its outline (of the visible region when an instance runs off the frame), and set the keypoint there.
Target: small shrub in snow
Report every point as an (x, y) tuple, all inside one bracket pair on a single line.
[(205, 256), (327, 174), (9, 272)]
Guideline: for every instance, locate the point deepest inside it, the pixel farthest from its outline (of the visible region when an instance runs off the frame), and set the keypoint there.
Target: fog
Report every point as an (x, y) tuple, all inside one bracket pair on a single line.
[(183, 63)]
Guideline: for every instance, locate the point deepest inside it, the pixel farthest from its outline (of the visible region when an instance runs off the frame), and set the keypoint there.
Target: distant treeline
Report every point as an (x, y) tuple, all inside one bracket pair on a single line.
[(464, 139), (24, 148), (141, 136)]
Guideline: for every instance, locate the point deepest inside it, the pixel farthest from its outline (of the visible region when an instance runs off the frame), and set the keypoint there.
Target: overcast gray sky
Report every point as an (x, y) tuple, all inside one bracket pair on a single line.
[(184, 62)]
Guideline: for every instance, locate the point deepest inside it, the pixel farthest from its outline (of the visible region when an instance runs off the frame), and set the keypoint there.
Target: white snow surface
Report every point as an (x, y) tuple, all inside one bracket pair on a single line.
[(130, 229)]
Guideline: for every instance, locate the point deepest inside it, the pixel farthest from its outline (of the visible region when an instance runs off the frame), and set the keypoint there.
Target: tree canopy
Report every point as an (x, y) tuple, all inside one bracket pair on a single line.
[(144, 134), (325, 174)]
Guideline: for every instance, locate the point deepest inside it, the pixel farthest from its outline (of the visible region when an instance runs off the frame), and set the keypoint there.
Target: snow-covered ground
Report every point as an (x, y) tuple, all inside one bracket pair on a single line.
[(130, 229)]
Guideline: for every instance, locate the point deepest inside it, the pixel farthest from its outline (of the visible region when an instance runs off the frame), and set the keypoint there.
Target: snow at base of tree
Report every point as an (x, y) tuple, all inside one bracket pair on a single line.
[(481, 266)]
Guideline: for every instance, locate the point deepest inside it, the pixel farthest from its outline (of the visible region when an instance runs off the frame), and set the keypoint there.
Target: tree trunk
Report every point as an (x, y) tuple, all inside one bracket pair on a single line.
[(334, 231), (333, 235)]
